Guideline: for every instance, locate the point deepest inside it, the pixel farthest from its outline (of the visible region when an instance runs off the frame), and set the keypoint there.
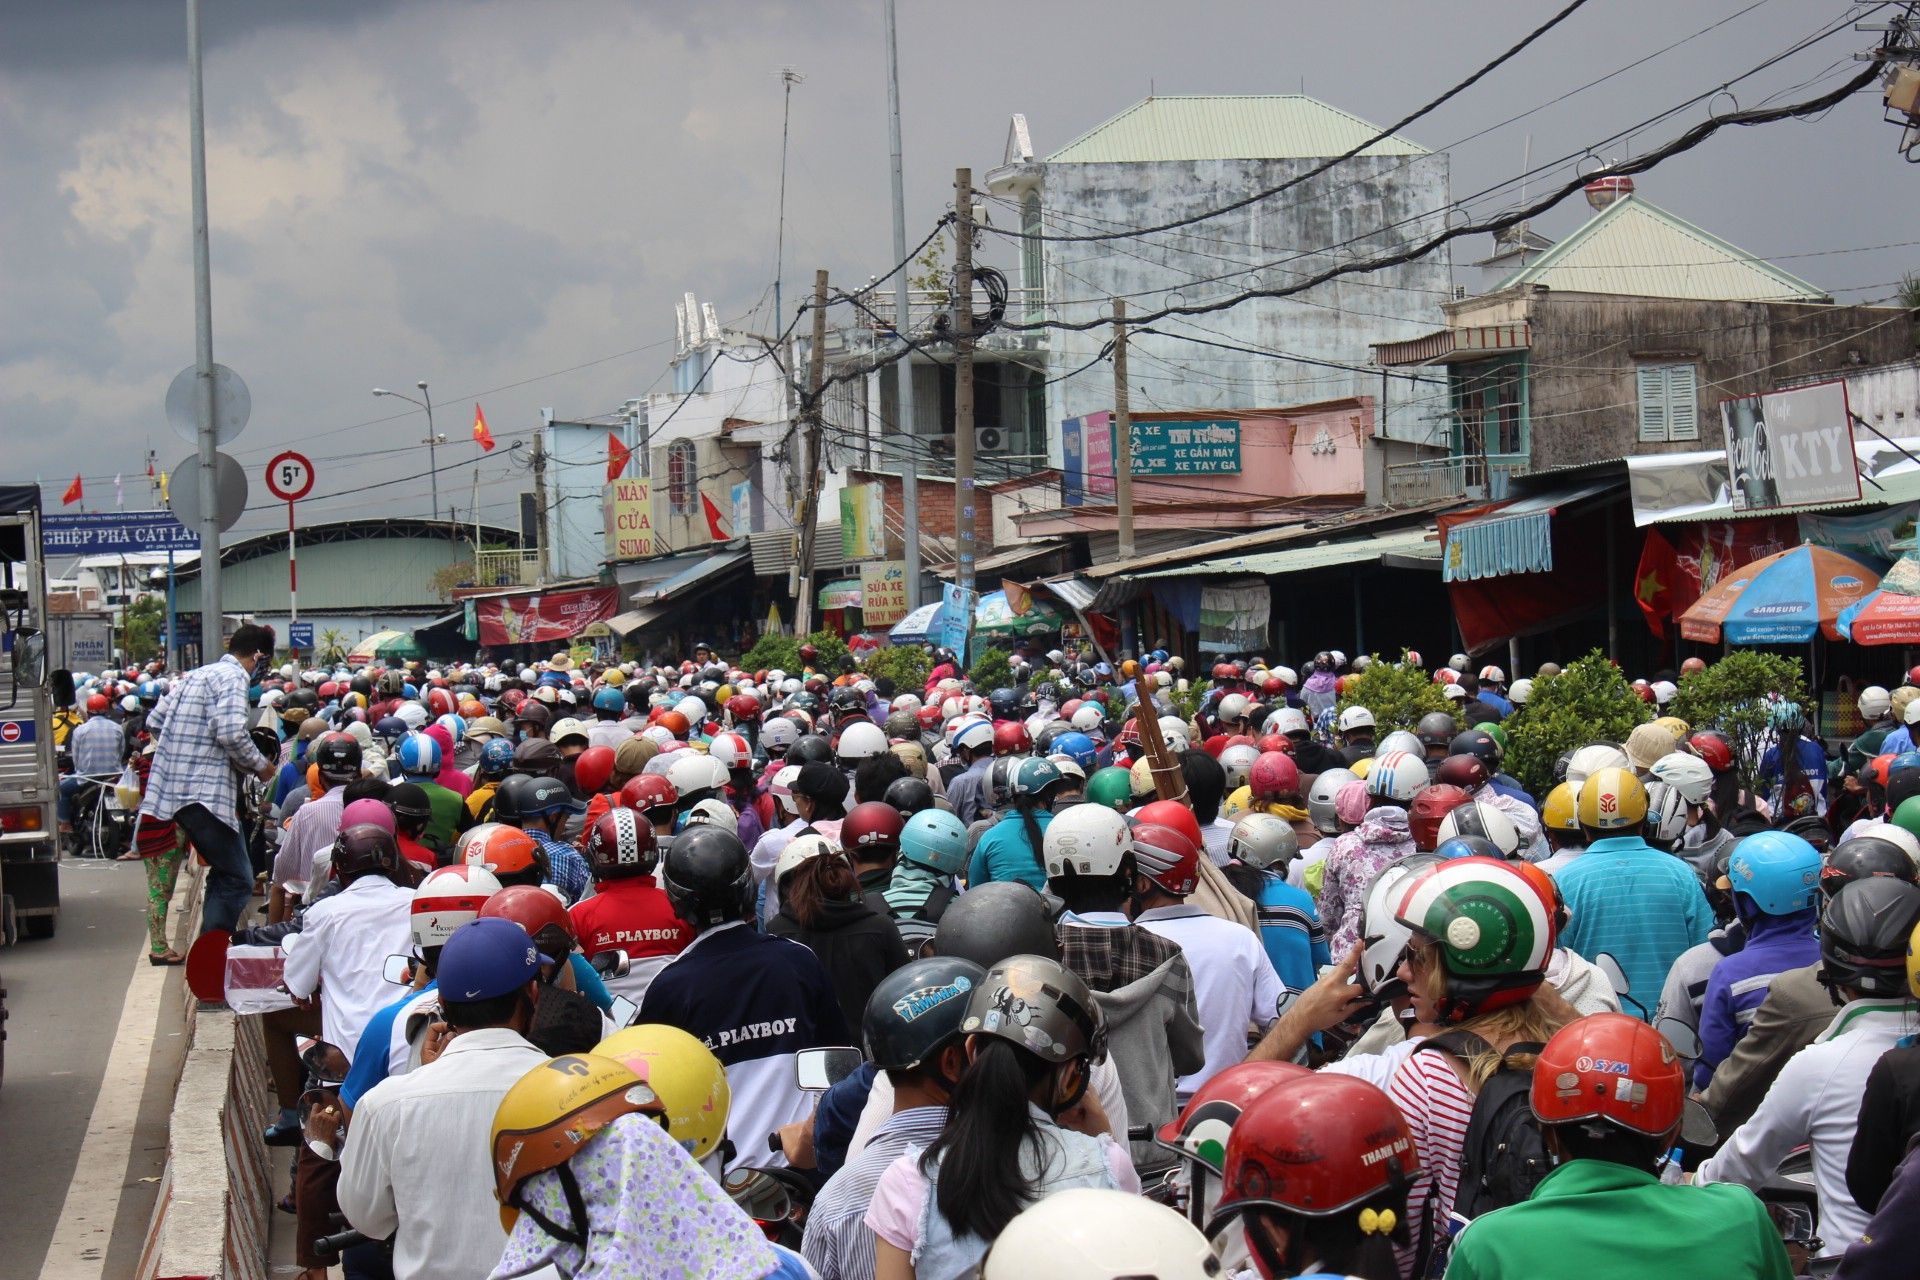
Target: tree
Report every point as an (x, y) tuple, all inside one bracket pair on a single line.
[(140, 631), (906, 665), (1738, 696), (333, 645), (1397, 695), (991, 670), (1590, 701)]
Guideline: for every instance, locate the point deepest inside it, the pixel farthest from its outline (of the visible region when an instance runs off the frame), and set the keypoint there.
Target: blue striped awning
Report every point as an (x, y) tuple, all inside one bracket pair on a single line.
[(1518, 538)]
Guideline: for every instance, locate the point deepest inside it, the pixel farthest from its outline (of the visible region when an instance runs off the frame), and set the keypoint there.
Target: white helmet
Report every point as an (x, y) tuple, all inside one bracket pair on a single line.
[(1397, 776), (1320, 798), (1175, 731), (1140, 776), (1068, 767), (413, 713), (714, 813), (1291, 678), (1355, 718), (1287, 720), (1231, 708), (659, 765), (974, 733), (1476, 818), (448, 898), (782, 786), (693, 709), (1096, 1233), (1520, 691), (1875, 702), (690, 772), (1589, 760), (953, 707), (1664, 691), (1458, 662), (862, 740), (1262, 840), (1384, 939), (779, 733), (1086, 839), (1492, 675), (731, 750), (1897, 835), (905, 702), (1088, 718), (803, 848), (1666, 813), (1400, 740), (1688, 775), (1238, 762)]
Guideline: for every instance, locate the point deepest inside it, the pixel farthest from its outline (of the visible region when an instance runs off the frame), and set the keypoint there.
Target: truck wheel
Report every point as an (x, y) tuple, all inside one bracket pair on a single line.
[(39, 926)]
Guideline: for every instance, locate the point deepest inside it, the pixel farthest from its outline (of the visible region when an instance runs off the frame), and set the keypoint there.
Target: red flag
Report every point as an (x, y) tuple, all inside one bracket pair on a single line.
[(481, 436), (73, 494), (1653, 582), (716, 528), (150, 473), (617, 455)]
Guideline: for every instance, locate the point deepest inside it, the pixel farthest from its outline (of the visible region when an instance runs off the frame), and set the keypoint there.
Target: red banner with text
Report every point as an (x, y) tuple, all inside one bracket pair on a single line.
[(544, 618)]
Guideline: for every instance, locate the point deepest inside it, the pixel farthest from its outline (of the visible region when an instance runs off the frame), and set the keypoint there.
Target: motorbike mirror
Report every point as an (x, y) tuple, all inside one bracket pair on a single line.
[(623, 1011), (762, 1197), (1697, 1128), (29, 658), (611, 964), (399, 971), (817, 1070), (1684, 1039), (1615, 974), (288, 943)]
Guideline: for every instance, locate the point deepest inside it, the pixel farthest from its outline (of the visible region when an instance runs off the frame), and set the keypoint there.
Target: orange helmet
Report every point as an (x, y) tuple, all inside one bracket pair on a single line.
[(674, 723), (1171, 813), (501, 849), (1611, 1067)]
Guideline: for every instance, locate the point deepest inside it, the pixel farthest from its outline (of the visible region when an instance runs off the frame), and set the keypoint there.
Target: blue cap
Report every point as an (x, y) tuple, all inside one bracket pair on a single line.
[(486, 958)]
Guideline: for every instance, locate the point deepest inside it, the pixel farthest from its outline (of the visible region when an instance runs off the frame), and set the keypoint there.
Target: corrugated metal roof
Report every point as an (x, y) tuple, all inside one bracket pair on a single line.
[(1403, 542), (372, 575), (1227, 127), (1632, 247)]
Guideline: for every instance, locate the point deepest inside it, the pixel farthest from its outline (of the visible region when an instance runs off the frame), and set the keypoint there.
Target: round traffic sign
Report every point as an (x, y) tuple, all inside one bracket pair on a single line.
[(290, 476), (10, 731), (232, 404), (229, 490)]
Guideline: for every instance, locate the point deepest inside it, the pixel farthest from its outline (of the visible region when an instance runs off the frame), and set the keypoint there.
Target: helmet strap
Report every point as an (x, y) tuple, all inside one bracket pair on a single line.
[(576, 1206)]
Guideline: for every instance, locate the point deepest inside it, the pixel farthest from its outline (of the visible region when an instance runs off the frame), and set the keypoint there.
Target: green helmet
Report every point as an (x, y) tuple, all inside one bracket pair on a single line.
[(1493, 730), (1112, 787), (1907, 816)]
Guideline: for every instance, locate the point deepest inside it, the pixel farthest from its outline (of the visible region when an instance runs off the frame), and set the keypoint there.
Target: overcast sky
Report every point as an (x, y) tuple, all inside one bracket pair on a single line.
[(485, 194)]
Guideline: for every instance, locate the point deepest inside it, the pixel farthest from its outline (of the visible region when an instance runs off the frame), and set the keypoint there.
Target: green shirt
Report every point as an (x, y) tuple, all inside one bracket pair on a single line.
[(449, 815), (1595, 1220)]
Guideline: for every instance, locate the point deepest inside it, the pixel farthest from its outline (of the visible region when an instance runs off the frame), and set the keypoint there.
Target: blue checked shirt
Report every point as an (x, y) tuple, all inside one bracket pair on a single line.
[(98, 746), (1641, 906), (839, 1243), (567, 868), (201, 728)]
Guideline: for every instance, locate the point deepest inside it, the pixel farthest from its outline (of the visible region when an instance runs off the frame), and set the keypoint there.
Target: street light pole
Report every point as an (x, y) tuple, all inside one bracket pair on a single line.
[(433, 438)]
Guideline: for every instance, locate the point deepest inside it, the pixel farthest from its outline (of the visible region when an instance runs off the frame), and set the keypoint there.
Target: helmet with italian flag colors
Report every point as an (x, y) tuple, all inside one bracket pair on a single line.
[(447, 899), (1493, 933), (1199, 1132)]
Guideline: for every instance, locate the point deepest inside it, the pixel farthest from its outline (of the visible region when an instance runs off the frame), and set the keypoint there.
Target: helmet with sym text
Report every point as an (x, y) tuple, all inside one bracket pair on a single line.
[(1611, 1068)]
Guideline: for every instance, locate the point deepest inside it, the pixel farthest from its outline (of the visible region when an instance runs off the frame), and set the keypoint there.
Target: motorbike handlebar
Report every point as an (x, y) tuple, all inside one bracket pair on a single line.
[(333, 1245)]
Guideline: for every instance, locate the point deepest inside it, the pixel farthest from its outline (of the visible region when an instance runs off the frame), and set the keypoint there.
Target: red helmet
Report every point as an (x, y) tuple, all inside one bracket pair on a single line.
[(1239, 740), (1611, 1067), (1469, 773), (540, 913), (1167, 858), (97, 704), (1913, 675), (1171, 813), (872, 830), (1712, 748), (808, 653), (1225, 671), (1274, 742), (743, 708), (930, 718), (327, 692), (592, 769), (1199, 1132), (1215, 745), (1070, 706), (731, 750), (1273, 686), (1010, 739), (647, 792), (501, 849), (1430, 805), (1273, 775), (1315, 1147), (1644, 692), (621, 844), (439, 702), (1692, 665)]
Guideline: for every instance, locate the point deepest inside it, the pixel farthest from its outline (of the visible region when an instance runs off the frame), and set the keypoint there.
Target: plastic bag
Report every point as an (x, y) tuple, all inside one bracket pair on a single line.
[(126, 791)]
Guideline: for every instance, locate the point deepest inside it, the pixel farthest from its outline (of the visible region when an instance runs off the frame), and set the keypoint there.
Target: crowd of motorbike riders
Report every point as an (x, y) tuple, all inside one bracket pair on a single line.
[(1309, 999)]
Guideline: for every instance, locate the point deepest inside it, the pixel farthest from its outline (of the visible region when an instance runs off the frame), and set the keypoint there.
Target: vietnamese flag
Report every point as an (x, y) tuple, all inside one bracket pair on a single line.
[(481, 436), (73, 494), (617, 455), (1653, 582), (716, 529)]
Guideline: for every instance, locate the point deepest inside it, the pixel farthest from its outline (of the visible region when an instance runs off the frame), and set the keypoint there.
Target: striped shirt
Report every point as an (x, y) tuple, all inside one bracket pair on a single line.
[(201, 729), (838, 1242), (1438, 1107), (1643, 907)]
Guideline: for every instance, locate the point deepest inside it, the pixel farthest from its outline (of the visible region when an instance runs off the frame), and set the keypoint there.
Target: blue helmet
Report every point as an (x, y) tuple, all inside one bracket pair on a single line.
[(1078, 746), (409, 691), (392, 728), (935, 839), (607, 698), (486, 958), (419, 756), (1777, 871), (497, 757), (1005, 704), (454, 725)]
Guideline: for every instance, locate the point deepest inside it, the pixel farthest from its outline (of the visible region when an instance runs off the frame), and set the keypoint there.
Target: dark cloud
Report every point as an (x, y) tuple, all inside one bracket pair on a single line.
[(68, 36)]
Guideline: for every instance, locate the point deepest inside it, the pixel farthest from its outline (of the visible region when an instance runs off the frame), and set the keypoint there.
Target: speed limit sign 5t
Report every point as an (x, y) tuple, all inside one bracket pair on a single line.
[(290, 476)]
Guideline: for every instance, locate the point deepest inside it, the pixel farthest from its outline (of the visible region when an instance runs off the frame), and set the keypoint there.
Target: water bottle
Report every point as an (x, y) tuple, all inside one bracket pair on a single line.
[(1672, 1174)]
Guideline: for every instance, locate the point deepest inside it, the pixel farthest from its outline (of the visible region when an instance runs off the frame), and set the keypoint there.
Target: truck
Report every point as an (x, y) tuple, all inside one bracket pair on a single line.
[(29, 780)]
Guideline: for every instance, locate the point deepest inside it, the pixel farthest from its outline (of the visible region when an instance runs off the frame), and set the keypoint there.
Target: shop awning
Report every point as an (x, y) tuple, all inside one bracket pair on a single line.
[(1006, 558), (1518, 538), (1670, 487), (843, 594), (1075, 592), (634, 619), (694, 575), (1447, 346), (1321, 555)]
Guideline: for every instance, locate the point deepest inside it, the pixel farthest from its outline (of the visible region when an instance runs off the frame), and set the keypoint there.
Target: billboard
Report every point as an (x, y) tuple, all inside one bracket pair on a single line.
[(1086, 459), (863, 522), (883, 592), (114, 533), (1161, 447), (629, 514), (543, 619), (1790, 448)]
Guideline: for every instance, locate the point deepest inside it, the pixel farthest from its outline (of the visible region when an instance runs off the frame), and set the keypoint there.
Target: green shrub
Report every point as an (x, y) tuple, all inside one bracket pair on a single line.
[(1589, 701), (990, 671), (906, 665), (832, 650), (1398, 696), (772, 651), (1735, 696)]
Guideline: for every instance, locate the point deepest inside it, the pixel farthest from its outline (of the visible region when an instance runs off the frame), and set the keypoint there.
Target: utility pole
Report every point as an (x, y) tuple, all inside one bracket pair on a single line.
[(816, 374), (206, 439), (903, 325), (540, 500), (963, 387), (1122, 432)]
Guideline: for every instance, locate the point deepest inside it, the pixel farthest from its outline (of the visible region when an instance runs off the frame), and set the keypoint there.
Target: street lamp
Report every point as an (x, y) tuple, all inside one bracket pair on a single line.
[(433, 440)]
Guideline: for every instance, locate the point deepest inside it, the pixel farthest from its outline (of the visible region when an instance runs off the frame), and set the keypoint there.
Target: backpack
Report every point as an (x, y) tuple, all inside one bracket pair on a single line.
[(1504, 1155)]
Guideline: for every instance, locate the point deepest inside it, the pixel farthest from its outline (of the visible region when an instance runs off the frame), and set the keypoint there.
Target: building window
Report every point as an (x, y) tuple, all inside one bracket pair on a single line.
[(1669, 397), (1031, 263), (1490, 404), (683, 479)]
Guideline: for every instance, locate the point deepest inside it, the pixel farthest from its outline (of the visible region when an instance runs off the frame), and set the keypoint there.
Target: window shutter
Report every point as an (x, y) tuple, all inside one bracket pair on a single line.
[(1683, 402), (1653, 403)]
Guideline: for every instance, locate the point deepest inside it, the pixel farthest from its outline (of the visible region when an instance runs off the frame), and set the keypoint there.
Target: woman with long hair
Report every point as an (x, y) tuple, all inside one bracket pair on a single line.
[(1794, 769), (1021, 1124), (821, 908), (1011, 849), (1482, 940)]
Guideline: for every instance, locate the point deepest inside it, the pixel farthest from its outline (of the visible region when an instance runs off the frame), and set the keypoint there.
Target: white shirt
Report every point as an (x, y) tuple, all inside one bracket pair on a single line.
[(1376, 1068), (1103, 1081), (343, 952), (1816, 1100), (608, 733), (417, 1164), (1234, 983)]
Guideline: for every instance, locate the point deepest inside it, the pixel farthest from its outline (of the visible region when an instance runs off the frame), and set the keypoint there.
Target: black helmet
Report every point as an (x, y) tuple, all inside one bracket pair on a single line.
[(810, 749), (1902, 784), (364, 849), (1436, 729), (537, 758), (267, 741), (522, 796), (916, 1009), (996, 920), (306, 699), (338, 757), (909, 796), (901, 724), (708, 876), (1004, 704), (1864, 858), (846, 701), (1478, 743), (361, 685), (409, 800), (1052, 729), (1863, 935)]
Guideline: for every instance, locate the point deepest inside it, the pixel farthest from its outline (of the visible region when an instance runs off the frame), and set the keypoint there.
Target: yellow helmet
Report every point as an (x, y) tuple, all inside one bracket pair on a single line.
[(1612, 800), (553, 1111), (689, 1081), (1129, 668), (1913, 963), (1557, 813), (1141, 777), (1676, 726), (1241, 801), (1359, 768)]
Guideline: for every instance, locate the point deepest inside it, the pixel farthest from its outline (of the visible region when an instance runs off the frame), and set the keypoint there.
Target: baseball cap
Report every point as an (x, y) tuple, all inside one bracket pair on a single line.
[(486, 958)]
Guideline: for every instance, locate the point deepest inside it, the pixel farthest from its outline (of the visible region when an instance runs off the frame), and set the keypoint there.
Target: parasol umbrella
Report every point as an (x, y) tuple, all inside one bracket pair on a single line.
[(917, 626), (1890, 615), (389, 646), (994, 617), (1783, 599)]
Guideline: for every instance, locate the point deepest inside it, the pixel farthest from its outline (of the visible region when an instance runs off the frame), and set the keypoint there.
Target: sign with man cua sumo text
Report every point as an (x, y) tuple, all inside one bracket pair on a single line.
[(1790, 448)]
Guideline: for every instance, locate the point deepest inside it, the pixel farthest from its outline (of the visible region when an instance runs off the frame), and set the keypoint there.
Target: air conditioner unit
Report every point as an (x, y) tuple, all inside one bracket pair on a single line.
[(989, 440)]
